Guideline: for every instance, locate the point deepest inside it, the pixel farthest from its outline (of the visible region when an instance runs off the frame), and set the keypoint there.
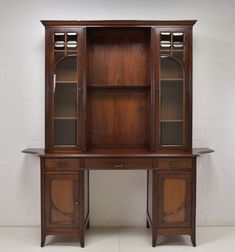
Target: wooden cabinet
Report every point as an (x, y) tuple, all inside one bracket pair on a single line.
[(64, 198), (64, 92), (174, 192), (118, 96), (118, 85), (172, 197)]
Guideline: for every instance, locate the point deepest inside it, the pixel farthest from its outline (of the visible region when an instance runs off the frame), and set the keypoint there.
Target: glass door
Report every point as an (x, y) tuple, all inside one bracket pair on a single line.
[(172, 85), (66, 89)]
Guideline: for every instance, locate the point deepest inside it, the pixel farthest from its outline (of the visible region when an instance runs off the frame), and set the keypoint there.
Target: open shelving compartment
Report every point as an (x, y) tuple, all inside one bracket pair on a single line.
[(118, 88)]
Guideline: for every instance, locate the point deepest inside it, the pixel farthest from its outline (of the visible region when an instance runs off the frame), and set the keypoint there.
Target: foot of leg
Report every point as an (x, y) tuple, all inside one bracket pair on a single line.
[(193, 240), (147, 224), (82, 242), (154, 241), (43, 240)]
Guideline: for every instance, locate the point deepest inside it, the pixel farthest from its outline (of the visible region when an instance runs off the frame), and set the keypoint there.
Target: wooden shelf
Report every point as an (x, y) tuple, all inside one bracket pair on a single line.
[(172, 79), (173, 50), (65, 51), (170, 121), (66, 82), (65, 118), (118, 86)]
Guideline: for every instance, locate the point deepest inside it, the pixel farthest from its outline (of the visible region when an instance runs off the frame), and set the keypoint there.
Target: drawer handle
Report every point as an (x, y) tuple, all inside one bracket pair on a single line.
[(119, 165), (62, 164), (60, 210)]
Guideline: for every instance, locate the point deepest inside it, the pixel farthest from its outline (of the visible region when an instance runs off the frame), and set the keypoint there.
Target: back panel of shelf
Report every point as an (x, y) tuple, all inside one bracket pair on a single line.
[(118, 56), (118, 118)]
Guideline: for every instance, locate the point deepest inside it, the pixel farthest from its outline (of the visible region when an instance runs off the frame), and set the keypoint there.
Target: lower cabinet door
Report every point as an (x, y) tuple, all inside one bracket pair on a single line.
[(174, 199), (61, 200)]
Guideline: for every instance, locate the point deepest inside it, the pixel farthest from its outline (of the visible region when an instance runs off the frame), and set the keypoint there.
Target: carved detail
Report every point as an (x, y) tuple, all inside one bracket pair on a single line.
[(182, 206), (59, 210)]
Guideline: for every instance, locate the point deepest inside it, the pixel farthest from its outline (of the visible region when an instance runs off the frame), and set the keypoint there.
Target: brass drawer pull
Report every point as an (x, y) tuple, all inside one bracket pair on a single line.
[(118, 165)]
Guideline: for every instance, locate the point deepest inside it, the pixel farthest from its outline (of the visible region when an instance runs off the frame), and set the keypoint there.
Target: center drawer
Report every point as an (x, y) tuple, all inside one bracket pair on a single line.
[(118, 163), (62, 163)]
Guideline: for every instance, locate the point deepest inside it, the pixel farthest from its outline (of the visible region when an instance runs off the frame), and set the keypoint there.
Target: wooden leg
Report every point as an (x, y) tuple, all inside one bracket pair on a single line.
[(82, 242), (88, 224), (154, 240), (43, 240), (147, 224), (193, 239)]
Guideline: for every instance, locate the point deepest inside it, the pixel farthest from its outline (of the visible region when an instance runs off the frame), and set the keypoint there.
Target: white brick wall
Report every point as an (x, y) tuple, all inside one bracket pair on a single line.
[(117, 197)]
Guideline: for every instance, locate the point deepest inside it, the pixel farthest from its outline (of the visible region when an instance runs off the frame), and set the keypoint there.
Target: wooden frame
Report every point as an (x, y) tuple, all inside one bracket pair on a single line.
[(118, 103), (104, 32)]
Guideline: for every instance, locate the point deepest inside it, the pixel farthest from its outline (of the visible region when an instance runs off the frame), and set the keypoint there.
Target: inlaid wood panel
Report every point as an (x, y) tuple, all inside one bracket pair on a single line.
[(62, 198), (174, 199)]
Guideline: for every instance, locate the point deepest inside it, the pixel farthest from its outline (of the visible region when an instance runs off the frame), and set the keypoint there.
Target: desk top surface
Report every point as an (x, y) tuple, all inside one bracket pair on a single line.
[(119, 153)]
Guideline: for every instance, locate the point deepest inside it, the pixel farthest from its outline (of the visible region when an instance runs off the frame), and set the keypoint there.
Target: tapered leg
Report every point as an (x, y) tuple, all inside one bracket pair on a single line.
[(147, 224), (154, 240), (88, 224), (82, 242), (43, 240), (193, 239)]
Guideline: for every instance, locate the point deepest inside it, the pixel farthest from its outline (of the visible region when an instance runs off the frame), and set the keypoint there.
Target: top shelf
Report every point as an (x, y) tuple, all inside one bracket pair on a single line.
[(173, 79), (117, 23), (118, 86), (65, 50)]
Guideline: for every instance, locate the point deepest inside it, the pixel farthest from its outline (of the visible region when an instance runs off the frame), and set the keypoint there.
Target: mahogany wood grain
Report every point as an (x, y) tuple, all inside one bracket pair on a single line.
[(195, 152), (174, 199), (118, 119), (62, 163), (118, 163), (174, 163), (118, 56), (61, 200), (118, 23)]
